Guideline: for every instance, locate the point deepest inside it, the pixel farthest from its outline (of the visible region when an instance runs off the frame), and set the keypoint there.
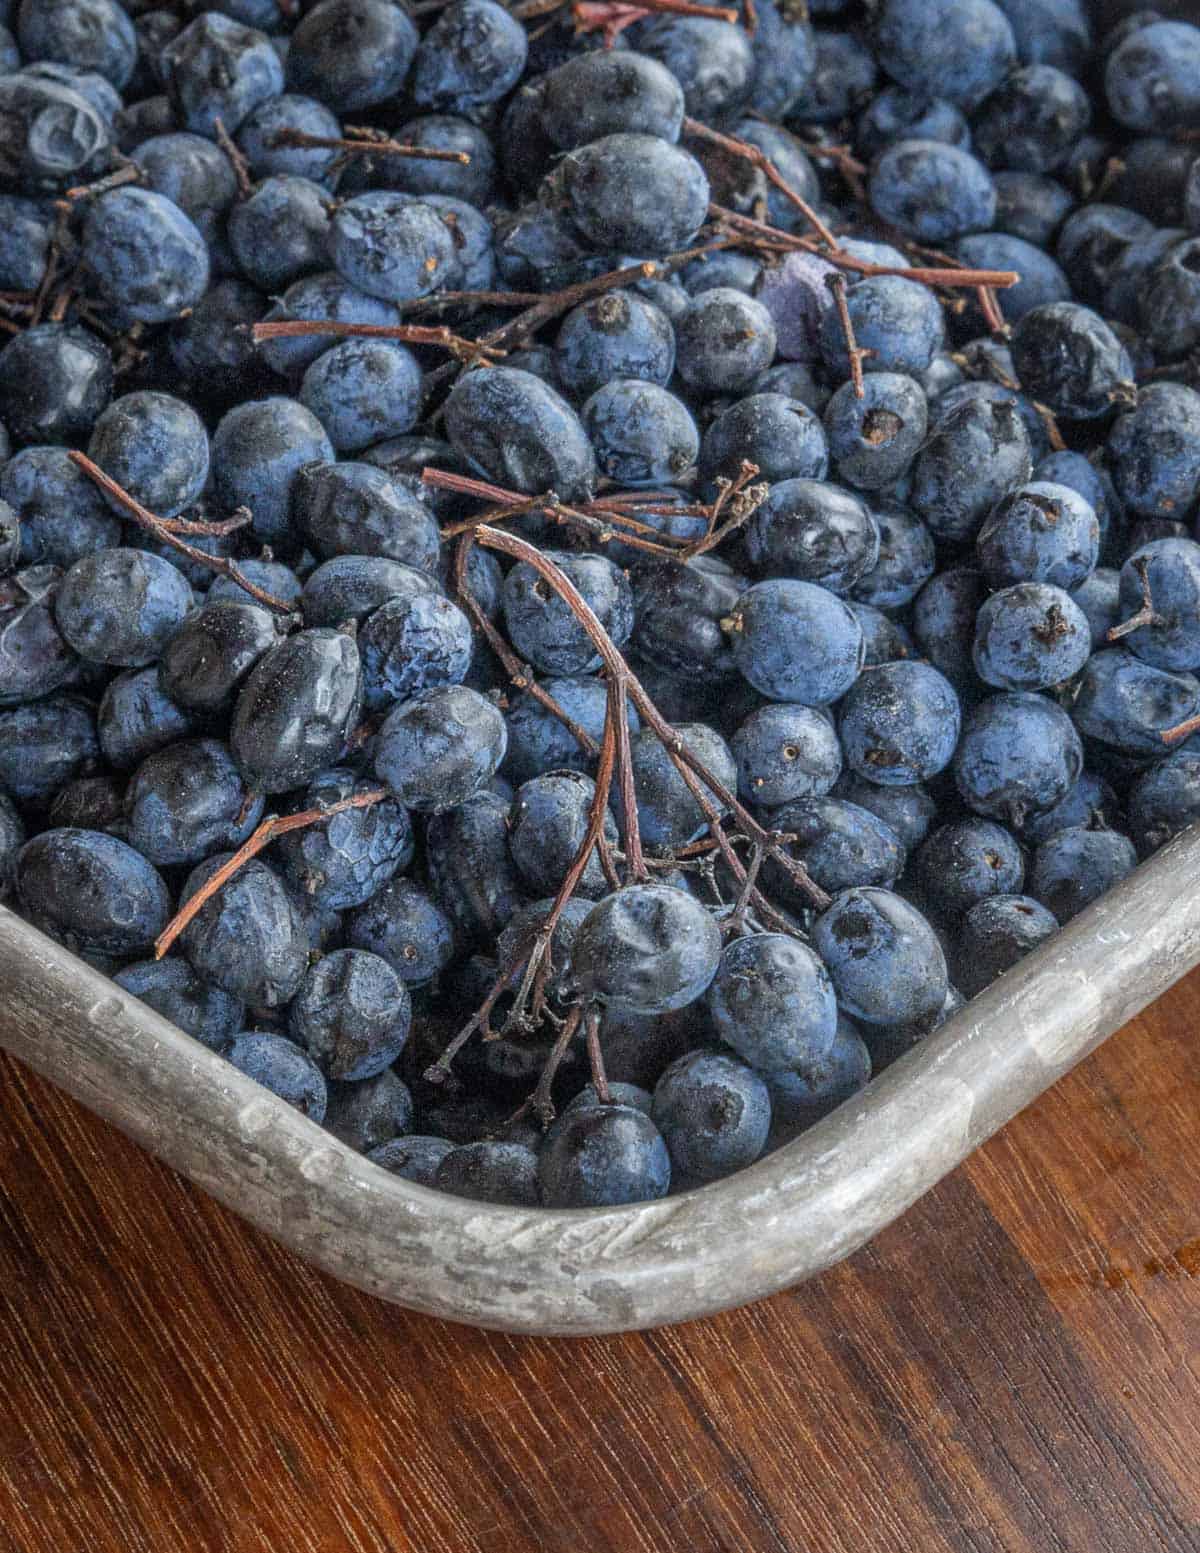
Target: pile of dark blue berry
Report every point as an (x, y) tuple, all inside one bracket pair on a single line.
[(575, 575)]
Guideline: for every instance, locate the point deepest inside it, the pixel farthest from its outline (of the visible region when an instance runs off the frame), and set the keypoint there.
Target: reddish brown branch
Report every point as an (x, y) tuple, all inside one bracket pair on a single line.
[(54, 249), (601, 524), (773, 236), (606, 520), (439, 1071), (618, 670), (276, 825), (215, 528), (166, 530), (540, 1102), (241, 167), (410, 334), (1147, 615), (546, 308), (362, 145), (129, 173), (743, 501), (837, 284), (612, 16), (519, 673), (591, 1020), (759, 158), (1181, 730), (618, 716)]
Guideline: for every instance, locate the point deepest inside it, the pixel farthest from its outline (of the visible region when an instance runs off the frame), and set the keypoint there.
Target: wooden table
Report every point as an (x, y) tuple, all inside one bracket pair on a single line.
[(1013, 1366)]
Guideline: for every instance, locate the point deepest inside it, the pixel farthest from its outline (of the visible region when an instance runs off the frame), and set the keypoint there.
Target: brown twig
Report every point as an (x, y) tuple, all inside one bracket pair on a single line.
[(689, 8), (600, 523), (607, 520), (614, 759), (519, 673), (736, 921), (540, 1102), (130, 172), (990, 308), (438, 1072), (591, 1021), (62, 216), (597, 815), (618, 669), (1181, 730), (241, 167), (62, 301), (857, 355), (612, 16), (215, 528), (985, 295), (777, 237), (165, 530), (743, 501), (546, 308), (362, 144), (618, 717), (555, 303), (276, 825), (759, 158), (410, 334), (1147, 615), (851, 170)]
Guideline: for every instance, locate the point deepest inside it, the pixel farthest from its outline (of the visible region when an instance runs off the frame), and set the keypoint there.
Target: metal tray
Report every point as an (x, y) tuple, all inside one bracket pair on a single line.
[(606, 1269)]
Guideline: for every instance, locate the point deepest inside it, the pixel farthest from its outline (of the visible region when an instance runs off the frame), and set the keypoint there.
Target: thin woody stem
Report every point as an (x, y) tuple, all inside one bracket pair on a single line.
[(1181, 730), (1147, 615), (237, 159), (167, 531), (619, 670), (130, 172), (737, 918), (439, 1071), (618, 714), (743, 501), (773, 235), (758, 158), (591, 1021), (556, 302), (988, 305), (600, 518), (363, 145), (546, 308), (539, 1102), (837, 284), (593, 518), (276, 825), (531, 995), (519, 673), (410, 334)]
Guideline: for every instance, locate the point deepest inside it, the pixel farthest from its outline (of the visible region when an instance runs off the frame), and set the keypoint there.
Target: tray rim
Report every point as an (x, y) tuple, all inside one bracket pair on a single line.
[(589, 1271)]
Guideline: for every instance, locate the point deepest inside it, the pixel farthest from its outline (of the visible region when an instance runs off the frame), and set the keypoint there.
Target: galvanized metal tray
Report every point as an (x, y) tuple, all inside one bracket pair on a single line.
[(606, 1270)]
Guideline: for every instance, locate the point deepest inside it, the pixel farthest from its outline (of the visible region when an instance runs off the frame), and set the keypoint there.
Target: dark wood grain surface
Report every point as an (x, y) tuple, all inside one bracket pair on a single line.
[(1014, 1366)]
